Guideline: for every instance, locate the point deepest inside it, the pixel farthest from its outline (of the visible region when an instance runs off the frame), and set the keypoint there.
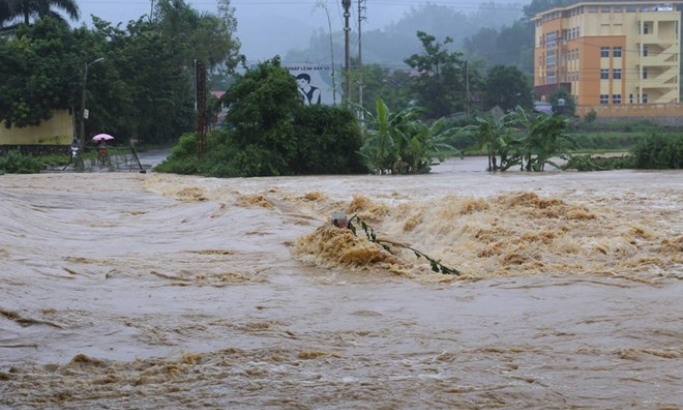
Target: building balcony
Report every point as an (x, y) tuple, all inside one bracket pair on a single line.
[(652, 38), (662, 82), (659, 60)]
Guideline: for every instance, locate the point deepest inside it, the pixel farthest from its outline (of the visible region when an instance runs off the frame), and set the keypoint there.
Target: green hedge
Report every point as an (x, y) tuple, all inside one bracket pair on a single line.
[(14, 162), (659, 151)]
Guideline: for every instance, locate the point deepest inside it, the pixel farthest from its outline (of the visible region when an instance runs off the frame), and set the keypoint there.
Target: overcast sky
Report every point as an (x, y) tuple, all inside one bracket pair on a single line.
[(270, 27)]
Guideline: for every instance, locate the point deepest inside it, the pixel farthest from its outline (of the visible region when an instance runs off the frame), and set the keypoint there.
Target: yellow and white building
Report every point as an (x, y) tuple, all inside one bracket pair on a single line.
[(618, 55)]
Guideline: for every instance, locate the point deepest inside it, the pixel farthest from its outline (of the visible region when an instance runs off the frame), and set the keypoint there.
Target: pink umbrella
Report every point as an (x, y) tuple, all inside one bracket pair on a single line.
[(102, 137)]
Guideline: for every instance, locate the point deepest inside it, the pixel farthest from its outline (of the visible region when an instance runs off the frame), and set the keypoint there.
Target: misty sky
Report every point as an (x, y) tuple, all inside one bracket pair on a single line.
[(270, 27)]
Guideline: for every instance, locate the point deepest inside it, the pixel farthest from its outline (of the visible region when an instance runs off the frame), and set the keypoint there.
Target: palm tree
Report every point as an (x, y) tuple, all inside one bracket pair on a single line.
[(11, 9)]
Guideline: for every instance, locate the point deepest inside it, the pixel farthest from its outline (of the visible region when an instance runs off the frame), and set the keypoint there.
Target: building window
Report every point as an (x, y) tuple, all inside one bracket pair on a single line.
[(644, 98), (616, 74), (604, 52), (604, 9), (604, 73), (616, 99), (644, 51), (550, 59), (630, 98), (604, 99), (644, 77), (550, 39), (616, 52)]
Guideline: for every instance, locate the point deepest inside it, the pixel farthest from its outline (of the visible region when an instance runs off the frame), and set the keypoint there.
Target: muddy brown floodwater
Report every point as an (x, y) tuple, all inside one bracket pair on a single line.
[(132, 291)]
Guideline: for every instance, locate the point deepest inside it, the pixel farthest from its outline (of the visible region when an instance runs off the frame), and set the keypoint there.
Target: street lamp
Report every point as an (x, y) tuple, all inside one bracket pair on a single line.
[(84, 114)]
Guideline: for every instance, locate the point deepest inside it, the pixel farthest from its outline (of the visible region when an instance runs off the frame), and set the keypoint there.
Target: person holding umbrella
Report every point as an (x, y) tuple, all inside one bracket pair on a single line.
[(102, 149)]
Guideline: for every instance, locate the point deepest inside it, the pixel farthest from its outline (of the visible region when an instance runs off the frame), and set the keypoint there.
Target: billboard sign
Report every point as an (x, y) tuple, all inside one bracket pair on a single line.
[(315, 82)]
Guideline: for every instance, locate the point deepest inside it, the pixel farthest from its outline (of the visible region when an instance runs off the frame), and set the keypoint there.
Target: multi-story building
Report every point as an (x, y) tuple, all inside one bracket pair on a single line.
[(610, 52)]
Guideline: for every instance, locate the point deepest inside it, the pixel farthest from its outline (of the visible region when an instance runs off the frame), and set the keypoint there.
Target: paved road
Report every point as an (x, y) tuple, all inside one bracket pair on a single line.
[(152, 158)]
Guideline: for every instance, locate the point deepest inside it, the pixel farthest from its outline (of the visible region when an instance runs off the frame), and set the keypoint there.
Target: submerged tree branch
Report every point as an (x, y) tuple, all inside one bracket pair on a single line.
[(384, 243)]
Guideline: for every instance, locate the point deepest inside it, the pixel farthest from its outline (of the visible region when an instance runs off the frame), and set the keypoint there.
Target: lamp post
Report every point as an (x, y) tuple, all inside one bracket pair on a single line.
[(347, 53), (83, 112)]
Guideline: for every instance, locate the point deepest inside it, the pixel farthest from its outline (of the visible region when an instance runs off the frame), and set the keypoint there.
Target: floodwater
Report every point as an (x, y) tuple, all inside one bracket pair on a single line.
[(152, 291)]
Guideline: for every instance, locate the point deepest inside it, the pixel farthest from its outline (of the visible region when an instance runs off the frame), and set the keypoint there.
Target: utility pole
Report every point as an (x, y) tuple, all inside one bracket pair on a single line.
[(361, 9), (200, 68), (84, 112), (467, 86), (347, 52)]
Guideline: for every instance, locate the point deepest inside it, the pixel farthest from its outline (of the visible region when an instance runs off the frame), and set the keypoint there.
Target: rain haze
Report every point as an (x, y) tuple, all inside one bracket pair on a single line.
[(272, 27)]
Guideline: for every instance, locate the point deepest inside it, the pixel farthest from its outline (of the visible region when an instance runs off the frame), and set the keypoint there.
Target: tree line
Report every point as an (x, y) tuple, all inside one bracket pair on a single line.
[(142, 85)]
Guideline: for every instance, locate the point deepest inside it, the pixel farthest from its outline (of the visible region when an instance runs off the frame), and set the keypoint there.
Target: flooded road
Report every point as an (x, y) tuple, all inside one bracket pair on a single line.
[(160, 291)]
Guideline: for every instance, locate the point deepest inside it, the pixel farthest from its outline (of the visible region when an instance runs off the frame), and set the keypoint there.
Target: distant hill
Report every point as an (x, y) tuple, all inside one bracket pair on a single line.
[(396, 42)]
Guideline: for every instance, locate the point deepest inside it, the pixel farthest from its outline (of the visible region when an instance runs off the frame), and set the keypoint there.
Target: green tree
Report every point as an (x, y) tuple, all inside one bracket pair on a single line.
[(392, 86), (509, 45), (440, 83), (516, 45), (148, 91), (538, 6), (483, 45), (327, 141), (507, 87), (37, 9), (196, 35), (143, 89), (40, 72), (562, 102), (270, 132), (262, 105)]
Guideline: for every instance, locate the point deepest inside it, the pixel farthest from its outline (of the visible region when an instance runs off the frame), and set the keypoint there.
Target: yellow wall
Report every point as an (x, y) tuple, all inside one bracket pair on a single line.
[(632, 110), (57, 130)]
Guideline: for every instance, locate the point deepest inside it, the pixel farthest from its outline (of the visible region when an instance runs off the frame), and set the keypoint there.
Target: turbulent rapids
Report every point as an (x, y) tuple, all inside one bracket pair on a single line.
[(161, 291)]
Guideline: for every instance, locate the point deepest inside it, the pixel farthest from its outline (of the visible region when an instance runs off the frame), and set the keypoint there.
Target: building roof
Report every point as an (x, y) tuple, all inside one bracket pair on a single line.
[(580, 3)]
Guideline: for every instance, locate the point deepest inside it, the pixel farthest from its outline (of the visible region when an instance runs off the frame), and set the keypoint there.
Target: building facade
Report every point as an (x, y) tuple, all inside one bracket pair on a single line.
[(610, 53), (58, 130)]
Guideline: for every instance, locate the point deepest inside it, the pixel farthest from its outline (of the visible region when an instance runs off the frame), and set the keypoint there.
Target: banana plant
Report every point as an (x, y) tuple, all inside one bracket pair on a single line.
[(543, 139), (421, 144), (495, 137), (400, 141)]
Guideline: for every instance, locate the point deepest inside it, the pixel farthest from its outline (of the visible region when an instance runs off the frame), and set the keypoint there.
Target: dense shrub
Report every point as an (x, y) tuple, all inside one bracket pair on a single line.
[(184, 157), (659, 151), (607, 140), (587, 162), (14, 162), (327, 141), (626, 125), (270, 132)]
